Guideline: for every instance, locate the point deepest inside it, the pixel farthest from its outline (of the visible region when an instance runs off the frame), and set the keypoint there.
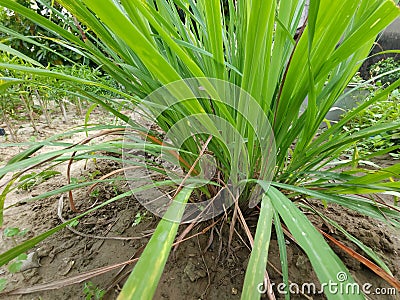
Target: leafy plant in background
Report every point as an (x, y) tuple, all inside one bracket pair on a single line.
[(381, 112), (9, 100), (147, 44), (383, 66), (38, 95), (47, 51), (18, 101), (64, 91)]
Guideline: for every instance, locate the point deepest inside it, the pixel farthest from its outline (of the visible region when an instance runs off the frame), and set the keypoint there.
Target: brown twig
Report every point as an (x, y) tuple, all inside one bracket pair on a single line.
[(208, 272), (369, 264), (203, 149), (191, 225), (84, 38), (118, 277), (85, 141), (90, 189), (68, 281)]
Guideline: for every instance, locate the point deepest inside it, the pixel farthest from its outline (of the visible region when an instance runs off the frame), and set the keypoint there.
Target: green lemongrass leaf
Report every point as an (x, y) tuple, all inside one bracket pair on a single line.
[(338, 164), (213, 18), (329, 28), (12, 51), (296, 89), (151, 18), (112, 147), (375, 23), (24, 154), (25, 246), (52, 140), (257, 46), (101, 101), (65, 188), (259, 254), (3, 199), (28, 162), (314, 245), (58, 75), (311, 110), (87, 115), (206, 53), (353, 188), (350, 140), (6, 82), (140, 21), (376, 176), (131, 35), (282, 253), (144, 278), (362, 206), (312, 21), (353, 239), (75, 186), (327, 175)]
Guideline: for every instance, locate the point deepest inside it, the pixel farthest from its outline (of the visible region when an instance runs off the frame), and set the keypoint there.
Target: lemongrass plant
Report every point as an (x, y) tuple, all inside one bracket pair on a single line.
[(251, 64)]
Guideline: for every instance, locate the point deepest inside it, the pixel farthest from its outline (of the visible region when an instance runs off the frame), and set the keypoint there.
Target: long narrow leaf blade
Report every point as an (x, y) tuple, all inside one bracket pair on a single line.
[(259, 255), (328, 267), (143, 281)]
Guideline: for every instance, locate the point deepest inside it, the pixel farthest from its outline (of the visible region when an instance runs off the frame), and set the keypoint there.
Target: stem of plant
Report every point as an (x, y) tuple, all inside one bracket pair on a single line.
[(63, 111), (44, 107), (10, 127), (30, 112)]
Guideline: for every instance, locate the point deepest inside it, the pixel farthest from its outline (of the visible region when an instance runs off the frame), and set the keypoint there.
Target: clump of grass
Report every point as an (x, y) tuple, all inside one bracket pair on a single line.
[(250, 77)]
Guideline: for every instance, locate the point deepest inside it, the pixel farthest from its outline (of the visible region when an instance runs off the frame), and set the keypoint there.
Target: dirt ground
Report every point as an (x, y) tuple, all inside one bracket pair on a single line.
[(201, 268)]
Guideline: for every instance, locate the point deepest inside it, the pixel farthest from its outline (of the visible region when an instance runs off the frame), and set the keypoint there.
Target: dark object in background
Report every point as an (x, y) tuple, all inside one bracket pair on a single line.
[(389, 39), (2, 132)]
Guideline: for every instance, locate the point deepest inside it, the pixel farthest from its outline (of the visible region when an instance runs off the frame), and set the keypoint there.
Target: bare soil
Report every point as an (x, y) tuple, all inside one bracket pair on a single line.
[(201, 268)]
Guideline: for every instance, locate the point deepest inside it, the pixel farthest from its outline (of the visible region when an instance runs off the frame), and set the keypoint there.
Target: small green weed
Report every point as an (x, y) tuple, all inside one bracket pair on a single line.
[(94, 174), (378, 113), (91, 291), (138, 218), (95, 193), (29, 181), (13, 232), (17, 264)]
